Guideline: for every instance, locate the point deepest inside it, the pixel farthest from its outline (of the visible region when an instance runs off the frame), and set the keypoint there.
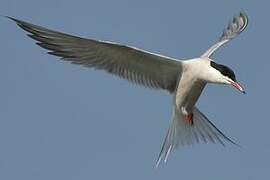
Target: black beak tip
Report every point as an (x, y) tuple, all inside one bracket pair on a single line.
[(244, 92)]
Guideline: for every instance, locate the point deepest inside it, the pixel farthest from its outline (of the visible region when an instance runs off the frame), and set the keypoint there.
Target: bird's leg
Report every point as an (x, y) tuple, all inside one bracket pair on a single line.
[(189, 119)]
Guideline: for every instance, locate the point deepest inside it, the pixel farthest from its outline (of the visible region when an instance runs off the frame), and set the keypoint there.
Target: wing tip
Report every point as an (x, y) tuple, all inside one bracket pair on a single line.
[(14, 19), (244, 16), (22, 24)]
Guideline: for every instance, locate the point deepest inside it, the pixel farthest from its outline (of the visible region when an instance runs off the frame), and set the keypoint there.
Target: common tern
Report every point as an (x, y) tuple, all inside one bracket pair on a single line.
[(183, 79)]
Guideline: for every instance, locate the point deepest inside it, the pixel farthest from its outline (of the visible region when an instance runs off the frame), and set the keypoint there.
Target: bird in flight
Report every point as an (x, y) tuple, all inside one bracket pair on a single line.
[(184, 80)]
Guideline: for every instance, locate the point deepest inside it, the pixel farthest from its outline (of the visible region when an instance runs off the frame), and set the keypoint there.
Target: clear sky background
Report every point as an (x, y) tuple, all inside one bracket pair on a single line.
[(61, 121)]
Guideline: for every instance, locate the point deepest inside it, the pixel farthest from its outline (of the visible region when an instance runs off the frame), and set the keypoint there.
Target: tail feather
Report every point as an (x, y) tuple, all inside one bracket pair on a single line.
[(181, 133)]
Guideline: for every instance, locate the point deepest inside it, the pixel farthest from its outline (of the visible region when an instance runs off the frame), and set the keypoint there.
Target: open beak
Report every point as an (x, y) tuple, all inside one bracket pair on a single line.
[(238, 86)]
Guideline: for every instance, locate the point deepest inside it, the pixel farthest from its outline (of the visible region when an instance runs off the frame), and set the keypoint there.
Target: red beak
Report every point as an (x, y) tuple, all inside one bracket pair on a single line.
[(238, 86)]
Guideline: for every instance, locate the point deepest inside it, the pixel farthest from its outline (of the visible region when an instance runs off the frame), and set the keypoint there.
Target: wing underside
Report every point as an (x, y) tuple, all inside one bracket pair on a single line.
[(234, 28), (138, 66)]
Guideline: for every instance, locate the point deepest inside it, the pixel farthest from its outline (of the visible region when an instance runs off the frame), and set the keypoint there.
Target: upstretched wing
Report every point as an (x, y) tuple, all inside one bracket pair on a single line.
[(138, 66), (238, 25)]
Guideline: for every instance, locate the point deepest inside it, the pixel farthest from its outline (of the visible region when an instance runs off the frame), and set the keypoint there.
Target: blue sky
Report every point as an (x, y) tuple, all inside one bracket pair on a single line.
[(61, 121)]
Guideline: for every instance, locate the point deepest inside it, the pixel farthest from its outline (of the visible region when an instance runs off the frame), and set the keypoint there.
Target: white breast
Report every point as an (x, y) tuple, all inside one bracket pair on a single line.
[(191, 84)]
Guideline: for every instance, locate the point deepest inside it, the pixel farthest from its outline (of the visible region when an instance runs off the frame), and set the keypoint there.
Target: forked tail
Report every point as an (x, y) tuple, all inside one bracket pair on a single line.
[(182, 133)]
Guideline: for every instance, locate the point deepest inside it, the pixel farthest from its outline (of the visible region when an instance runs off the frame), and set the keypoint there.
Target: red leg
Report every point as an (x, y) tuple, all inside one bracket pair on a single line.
[(189, 119)]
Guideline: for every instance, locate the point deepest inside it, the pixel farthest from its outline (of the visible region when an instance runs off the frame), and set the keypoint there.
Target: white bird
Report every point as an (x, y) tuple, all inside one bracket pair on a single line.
[(184, 80)]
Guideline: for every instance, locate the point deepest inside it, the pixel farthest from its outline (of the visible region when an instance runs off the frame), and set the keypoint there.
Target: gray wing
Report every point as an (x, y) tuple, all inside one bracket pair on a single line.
[(234, 28), (138, 66)]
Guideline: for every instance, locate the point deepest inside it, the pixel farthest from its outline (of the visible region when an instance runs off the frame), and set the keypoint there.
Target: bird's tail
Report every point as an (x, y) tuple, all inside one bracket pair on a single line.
[(183, 133)]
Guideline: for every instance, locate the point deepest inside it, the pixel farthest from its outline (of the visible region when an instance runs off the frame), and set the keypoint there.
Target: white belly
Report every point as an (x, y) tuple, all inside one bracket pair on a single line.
[(188, 91)]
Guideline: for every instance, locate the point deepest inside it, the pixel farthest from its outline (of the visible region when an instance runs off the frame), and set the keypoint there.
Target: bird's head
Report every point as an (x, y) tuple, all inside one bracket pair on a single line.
[(225, 75)]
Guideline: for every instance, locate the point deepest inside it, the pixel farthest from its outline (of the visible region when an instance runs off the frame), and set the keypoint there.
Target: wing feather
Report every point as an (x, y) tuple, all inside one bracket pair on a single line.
[(138, 66), (234, 28)]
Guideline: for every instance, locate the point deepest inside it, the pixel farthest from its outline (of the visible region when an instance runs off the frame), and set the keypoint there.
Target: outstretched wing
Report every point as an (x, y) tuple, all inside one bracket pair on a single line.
[(138, 66), (238, 25)]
